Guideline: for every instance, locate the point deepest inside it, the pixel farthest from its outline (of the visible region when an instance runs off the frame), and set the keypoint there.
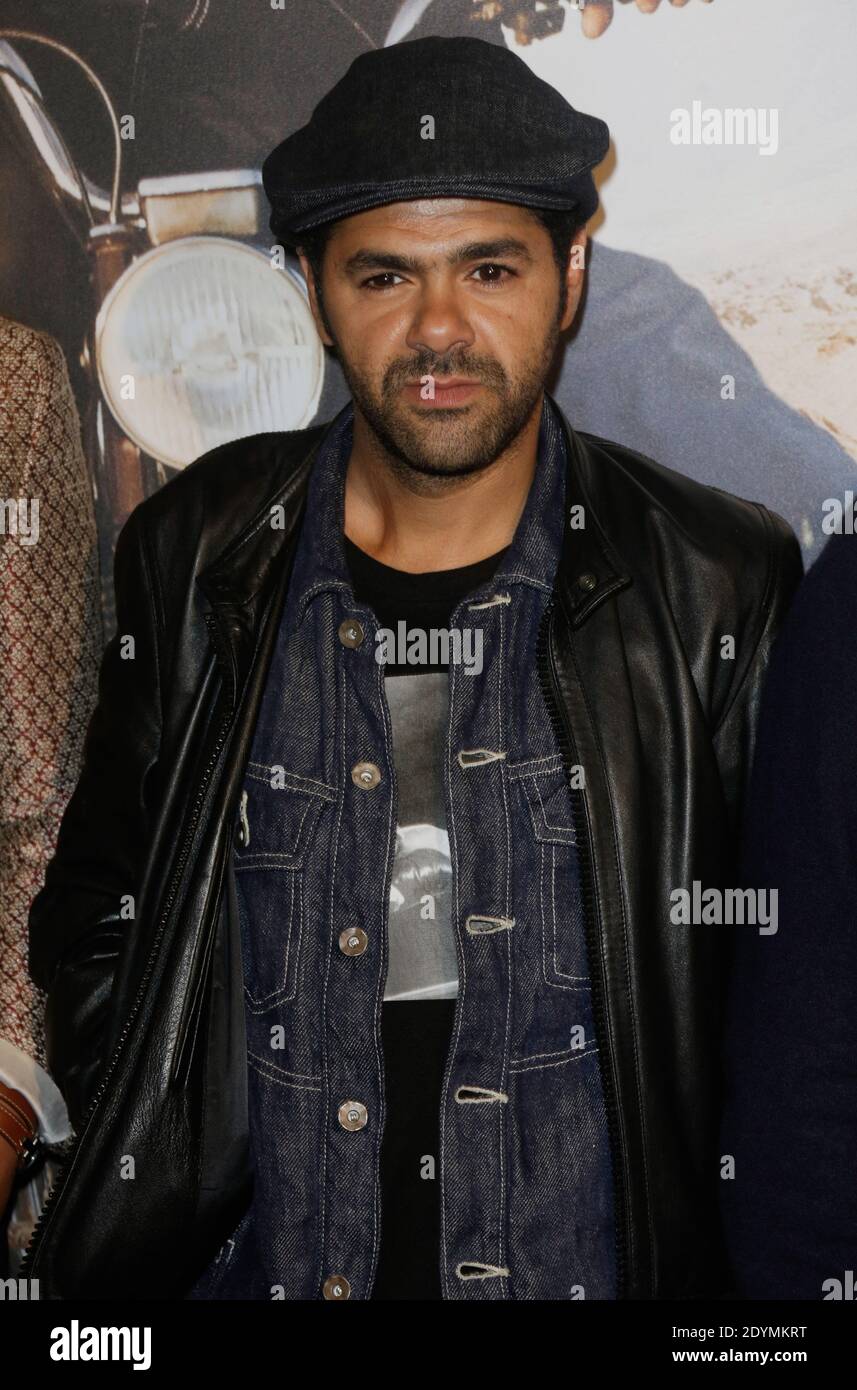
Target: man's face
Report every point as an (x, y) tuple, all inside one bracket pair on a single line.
[(463, 291)]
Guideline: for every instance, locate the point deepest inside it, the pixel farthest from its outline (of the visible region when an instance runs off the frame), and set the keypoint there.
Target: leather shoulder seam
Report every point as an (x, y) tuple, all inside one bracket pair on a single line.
[(765, 610), (154, 578)]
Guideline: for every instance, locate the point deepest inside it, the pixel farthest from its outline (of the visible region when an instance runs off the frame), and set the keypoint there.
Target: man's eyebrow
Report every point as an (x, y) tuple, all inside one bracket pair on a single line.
[(370, 259)]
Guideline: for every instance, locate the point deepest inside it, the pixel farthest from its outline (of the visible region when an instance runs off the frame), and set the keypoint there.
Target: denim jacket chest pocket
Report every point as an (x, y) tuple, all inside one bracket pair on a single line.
[(549, 847), (277, 821)]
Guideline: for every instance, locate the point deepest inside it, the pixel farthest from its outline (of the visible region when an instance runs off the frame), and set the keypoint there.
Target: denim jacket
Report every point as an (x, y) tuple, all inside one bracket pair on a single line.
[(526, 1189)]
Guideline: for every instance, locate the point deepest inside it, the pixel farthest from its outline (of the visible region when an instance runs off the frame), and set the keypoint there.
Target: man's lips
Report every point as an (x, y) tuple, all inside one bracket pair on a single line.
[(454, 390)]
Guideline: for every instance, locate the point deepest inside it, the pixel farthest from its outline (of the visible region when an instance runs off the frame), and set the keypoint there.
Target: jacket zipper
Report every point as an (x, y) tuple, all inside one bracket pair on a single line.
[(565, 740), (64, 1171)]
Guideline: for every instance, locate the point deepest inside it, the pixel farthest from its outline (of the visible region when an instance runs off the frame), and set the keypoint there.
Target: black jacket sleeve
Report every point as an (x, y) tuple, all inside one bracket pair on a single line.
[(77, 920), (790, 1120), (735, 736)]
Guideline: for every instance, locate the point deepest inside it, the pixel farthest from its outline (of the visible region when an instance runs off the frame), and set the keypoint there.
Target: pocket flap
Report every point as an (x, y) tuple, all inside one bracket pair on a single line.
[(548, 796), (277, 815)]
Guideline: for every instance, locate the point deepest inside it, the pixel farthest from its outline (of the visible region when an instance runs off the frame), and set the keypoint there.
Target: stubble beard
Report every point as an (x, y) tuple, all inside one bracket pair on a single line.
[(438, 445)]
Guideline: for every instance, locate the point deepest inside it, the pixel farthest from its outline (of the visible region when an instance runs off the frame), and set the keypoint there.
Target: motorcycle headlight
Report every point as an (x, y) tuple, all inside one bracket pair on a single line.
[(201, 341)]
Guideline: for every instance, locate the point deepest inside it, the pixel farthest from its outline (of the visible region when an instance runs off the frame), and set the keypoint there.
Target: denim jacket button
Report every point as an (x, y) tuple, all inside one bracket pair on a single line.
[(353, 941), (336, 1286), (351, 633), (366, 776), (352, 1115)]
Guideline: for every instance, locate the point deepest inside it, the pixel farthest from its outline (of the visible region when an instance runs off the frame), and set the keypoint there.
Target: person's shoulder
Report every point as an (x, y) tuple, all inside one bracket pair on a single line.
[(35, 357), (641, 498), (834, 574), (236, 470), (198, 511), (822, 618)]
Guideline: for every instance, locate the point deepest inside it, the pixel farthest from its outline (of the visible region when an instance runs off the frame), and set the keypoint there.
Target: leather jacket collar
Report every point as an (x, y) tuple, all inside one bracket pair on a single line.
[(239, 581)]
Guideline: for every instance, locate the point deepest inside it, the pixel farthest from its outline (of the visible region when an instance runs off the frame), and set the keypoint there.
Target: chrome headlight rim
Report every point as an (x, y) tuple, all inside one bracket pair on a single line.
[(260, 256)]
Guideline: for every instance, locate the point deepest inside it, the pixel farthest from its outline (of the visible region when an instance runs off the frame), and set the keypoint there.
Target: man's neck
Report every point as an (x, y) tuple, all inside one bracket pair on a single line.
[(420, 524)]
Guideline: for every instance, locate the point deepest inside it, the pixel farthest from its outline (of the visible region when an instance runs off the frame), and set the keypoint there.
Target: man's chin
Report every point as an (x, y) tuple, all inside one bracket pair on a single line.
[(439, 443), (442, 468)]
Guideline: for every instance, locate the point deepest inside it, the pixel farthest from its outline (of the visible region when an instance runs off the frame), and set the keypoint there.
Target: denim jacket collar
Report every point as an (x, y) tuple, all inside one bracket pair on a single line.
[(255, 567), (531, 559)]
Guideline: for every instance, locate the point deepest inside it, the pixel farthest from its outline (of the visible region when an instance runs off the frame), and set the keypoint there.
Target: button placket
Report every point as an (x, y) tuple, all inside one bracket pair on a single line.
[(472, 1134), (352, 1005)]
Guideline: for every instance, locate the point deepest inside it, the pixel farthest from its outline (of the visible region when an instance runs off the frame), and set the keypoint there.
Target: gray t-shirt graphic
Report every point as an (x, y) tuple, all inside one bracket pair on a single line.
[(422, 958), (421, 987)]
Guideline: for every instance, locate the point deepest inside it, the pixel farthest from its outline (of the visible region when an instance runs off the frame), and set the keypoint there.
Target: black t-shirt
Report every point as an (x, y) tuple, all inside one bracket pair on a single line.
[(419, 1001)]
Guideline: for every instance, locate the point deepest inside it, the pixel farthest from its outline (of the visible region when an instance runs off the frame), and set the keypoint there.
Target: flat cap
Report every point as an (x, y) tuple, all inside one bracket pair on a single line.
[(433, 118)]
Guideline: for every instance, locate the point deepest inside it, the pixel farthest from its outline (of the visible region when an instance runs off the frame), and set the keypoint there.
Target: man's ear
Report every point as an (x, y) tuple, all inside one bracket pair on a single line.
[(575, 271), (306, 269)]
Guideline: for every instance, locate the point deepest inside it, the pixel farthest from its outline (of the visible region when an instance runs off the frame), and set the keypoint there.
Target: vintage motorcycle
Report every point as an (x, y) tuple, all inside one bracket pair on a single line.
[(196, 333), (197, 330)]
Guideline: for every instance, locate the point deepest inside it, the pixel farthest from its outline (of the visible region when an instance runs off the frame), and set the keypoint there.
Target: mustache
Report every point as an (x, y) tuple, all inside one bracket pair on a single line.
[(476, 366)]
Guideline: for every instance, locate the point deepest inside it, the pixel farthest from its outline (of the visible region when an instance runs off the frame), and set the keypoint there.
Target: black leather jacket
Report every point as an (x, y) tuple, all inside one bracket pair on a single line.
[(134, 935)]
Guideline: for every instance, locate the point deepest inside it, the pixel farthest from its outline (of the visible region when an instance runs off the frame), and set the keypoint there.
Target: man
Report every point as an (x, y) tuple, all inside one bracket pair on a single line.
[(212, 84), (790, 1118), (468, 1024)]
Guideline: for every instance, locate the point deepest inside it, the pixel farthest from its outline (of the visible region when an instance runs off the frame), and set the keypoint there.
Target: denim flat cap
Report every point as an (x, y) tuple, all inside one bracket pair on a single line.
[(433, 118)]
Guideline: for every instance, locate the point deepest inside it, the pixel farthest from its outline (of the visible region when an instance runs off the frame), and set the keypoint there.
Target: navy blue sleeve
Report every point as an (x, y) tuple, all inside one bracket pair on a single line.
[(790, 1119)]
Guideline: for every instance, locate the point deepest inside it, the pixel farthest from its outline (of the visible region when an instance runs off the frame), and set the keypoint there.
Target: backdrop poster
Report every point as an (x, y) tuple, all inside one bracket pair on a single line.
[(718, 334)]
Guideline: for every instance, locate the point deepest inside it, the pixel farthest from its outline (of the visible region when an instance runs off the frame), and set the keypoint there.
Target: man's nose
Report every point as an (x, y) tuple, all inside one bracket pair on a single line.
[(439, 323)]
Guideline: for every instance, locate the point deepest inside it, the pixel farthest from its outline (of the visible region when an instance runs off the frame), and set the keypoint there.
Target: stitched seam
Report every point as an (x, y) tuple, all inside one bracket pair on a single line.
[(385, 918), (285, 854), (545, 1066), (278, 995), (462, 964), (766, 608), (502, 1214), (524, 579), (286, 490), (548, 825), (339, 686), (491, 602), (295, 781), (154, 579), (281, 1081), (259, 860), (564, 974), (315, 1081), (561, 1052), (519, 770), (155, 653)]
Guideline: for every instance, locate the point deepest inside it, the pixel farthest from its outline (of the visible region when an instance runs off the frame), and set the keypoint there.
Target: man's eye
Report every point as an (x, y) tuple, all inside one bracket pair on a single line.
[(385, 275), (493, 274)]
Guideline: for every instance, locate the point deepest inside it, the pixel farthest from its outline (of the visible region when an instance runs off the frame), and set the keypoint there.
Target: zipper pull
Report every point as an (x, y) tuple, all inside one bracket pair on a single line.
[(243, 822)]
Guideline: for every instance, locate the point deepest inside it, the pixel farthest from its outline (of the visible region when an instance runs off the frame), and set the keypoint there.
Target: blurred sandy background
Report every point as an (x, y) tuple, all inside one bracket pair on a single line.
[(771, 240)]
